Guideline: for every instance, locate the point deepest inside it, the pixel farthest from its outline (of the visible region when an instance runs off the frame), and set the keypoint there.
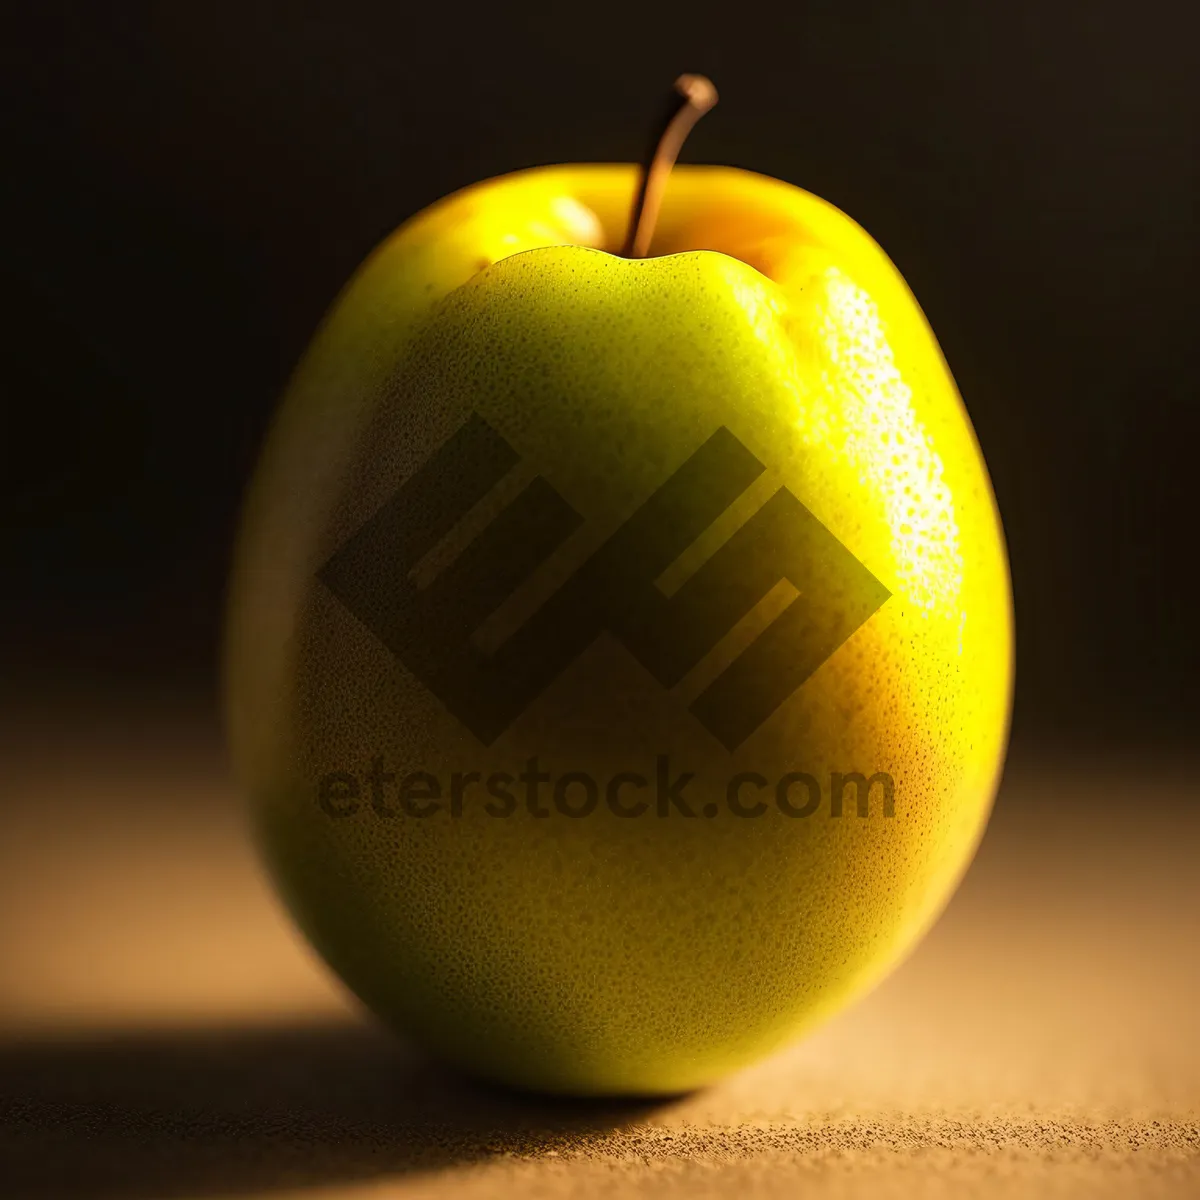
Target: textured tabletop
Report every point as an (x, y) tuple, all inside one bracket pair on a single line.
[(163, 1032)]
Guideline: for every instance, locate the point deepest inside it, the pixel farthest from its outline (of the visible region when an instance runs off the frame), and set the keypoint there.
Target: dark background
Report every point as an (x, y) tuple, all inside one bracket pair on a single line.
[(190, 184)]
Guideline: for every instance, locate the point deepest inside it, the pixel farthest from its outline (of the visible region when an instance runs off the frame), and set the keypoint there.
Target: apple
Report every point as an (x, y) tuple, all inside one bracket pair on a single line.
[(619, 652)]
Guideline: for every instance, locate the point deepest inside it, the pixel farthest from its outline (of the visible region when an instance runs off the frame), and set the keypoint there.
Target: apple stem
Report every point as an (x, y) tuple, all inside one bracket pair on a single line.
[(694, 96)]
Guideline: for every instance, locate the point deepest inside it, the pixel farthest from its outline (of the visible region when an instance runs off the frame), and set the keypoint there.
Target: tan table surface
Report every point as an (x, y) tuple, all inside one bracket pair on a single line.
[(163, 1032)]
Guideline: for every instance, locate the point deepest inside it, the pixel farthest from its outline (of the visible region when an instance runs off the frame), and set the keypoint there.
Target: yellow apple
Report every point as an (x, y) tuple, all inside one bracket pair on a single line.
[(620, 649)]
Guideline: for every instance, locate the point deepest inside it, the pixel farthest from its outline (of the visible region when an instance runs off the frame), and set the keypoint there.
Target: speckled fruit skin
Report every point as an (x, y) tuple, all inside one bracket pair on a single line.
[(607, 955)]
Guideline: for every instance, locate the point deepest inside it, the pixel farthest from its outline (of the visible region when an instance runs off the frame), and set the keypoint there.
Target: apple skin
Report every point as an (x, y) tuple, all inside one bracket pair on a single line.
[(608, 955)]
